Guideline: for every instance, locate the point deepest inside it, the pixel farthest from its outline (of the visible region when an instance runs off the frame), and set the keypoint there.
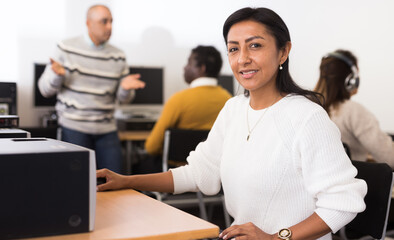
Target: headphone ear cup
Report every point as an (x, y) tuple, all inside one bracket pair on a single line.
[(351, 82)]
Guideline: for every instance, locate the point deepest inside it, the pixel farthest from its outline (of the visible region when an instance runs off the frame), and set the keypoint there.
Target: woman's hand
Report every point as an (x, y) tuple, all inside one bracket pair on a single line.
[(113, 180), (247, 231)]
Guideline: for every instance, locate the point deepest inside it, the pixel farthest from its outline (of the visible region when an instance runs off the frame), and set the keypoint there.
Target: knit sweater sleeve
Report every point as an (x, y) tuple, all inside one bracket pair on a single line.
[(366, 129), (327, 172), (123, 95), (203, 169), (50, 83)]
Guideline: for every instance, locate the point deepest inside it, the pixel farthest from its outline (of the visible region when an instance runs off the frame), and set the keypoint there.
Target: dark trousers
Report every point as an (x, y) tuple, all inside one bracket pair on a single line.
[(107, 147)]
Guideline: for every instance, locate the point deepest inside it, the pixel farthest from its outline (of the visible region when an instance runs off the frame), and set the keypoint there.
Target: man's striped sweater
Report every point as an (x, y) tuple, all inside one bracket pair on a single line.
[(87, 94)]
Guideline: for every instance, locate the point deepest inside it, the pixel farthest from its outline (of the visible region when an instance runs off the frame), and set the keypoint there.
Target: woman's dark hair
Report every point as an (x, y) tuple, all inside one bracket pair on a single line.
[(333, 72), (210, 58), (278, 29)]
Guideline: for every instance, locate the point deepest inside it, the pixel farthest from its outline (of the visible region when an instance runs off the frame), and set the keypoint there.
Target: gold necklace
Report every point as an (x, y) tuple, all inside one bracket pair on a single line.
[(262, 115)]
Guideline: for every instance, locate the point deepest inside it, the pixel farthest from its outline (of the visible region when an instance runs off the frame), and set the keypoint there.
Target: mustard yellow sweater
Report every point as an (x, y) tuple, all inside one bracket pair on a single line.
[(193, 108)]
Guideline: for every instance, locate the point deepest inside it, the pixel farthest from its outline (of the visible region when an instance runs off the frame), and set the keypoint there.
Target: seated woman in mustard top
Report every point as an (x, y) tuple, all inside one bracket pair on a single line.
[(359, 128)]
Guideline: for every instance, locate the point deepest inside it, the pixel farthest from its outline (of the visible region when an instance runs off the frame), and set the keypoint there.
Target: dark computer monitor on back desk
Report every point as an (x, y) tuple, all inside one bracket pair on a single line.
[(227, 82), (39, 100), (49, 119), (8, 98), (139, 115), (153, 91)]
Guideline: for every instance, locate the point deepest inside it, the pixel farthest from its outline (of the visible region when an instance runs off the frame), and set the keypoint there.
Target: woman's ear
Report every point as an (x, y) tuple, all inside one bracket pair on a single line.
[(285, 52), (354, 92)]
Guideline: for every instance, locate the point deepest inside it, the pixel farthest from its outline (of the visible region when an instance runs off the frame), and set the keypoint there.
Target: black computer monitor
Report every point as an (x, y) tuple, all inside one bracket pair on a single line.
[(153, 91), (8, 97), (39, 100), (227, 82)]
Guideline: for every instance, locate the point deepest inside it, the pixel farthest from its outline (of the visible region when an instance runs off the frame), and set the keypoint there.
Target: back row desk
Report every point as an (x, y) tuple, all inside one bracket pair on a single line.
[(129, 137), (128, 214)]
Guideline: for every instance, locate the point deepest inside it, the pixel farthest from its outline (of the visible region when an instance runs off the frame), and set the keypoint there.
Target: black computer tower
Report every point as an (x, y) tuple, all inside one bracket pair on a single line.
[(48, 188), (13, 133)]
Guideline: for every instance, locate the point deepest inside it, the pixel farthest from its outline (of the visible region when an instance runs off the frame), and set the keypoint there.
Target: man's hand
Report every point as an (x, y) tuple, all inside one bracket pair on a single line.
[(57, 68), (132, 81)]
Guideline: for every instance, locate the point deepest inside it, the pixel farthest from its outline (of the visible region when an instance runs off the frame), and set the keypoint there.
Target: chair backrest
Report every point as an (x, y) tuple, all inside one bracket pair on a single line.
[(373, 221), (347, 150), (178, 143)]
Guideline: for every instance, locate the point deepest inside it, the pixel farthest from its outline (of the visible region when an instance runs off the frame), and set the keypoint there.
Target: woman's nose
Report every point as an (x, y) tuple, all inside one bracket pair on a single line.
[(243, 57)]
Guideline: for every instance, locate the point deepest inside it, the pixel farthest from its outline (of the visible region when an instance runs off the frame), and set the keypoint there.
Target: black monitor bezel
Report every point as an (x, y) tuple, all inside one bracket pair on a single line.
[(153, 93), (39, 99)]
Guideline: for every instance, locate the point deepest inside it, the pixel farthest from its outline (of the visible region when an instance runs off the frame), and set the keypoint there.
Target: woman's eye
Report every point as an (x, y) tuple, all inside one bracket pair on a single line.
[(255, 45), (232, 50)]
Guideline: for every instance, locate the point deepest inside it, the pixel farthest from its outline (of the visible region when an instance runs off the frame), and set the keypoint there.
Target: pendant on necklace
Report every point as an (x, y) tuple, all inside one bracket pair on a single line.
[(247, 139)]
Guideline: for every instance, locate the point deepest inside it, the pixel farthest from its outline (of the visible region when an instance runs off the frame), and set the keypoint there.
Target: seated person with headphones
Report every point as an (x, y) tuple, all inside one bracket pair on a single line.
[(338, 82)]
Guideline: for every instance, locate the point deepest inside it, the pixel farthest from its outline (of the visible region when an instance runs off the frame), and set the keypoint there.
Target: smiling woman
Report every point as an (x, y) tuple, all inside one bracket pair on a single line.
[(255, 60), (258, 44), (252, 43), (268, 148)]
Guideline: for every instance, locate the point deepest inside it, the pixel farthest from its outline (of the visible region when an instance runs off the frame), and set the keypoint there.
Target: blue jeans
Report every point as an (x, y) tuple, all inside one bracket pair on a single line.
[(106, 146)]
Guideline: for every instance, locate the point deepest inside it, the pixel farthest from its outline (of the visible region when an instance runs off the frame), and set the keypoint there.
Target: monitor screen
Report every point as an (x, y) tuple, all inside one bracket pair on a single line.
[(227, 82), (8, 97), (153, 91), (39, 100)]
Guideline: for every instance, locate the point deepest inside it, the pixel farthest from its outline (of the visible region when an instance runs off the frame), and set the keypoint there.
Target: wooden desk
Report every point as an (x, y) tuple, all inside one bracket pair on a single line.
[(133, 135), (129, 137), (128, 214)]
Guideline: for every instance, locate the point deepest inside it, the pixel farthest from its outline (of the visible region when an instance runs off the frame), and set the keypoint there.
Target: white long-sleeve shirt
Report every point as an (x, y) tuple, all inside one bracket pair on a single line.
[(361, 132), (293, 165)]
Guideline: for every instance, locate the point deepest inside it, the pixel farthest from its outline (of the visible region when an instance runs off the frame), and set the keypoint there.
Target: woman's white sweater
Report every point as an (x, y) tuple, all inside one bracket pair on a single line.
[(293, 165)]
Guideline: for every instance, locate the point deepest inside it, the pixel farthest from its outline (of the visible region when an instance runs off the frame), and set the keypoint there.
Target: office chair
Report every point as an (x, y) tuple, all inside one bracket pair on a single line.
[(347, 150), (178, 143), (372, 223)]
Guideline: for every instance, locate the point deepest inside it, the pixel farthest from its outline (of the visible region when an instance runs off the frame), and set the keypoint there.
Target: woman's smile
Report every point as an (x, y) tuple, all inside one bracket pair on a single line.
[(247, 74)]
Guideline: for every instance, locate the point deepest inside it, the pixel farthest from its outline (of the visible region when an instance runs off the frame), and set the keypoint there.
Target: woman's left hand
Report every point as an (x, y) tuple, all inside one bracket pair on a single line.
[(247, 231), (113, 180)]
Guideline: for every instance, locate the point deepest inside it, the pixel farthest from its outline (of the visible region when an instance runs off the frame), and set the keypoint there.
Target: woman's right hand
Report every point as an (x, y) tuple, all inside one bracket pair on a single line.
[(113, 180), (247, 231)]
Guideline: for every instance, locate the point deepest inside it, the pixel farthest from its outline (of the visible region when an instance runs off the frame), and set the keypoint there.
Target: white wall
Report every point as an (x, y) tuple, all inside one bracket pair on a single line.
[(162, 33)]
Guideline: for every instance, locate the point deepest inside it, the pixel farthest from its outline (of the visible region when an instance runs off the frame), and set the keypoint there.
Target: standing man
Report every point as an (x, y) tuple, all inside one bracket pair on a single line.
[(194, 108), (89, 75)]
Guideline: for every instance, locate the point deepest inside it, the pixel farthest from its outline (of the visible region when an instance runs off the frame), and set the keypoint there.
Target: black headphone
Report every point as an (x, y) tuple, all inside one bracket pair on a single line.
[(352, 81)]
